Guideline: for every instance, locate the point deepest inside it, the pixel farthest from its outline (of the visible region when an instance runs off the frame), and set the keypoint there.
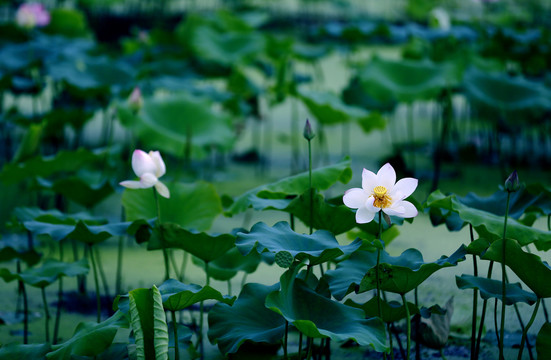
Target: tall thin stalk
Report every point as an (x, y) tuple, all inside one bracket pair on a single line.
[(175, 328), (46, 313), (59, 298), (503, 278), (202, 311), (286, 340), (474, 355), (165, 253), (525, 332), (408, 322), (96, 282), (23, 293), (120, 251)]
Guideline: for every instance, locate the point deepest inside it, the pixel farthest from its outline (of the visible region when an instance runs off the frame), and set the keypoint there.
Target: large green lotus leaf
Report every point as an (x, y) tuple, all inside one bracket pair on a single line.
[(53, 216), (193, 206), (392, 311), (169, 123), (317, 316), (205, 246), (79, 190), (247, 320), (66, 161), (91, 73), (318, 248), (489, 225), (499, 93), (226, 48), (534, 272), (543, 341), (228, 265), (490, 288), (30, 257), (48, 273), (404, 273), (406, 80), (322, 179), (178, 296), (357, 94), (24, 351), (329, 109), (90, 338), (148, 321), (89, 234)]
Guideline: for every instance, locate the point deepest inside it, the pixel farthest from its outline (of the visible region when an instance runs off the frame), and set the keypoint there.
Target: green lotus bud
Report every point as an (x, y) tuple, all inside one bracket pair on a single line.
[(308, 132), (512, 183)]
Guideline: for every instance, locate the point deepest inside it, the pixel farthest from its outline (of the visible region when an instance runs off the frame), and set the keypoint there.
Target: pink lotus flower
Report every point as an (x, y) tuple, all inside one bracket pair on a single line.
[(135, 101), (30, 15), (149, 167), (381, 192)]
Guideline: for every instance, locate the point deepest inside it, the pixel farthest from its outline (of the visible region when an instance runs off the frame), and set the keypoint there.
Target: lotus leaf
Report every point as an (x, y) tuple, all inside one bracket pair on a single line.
[(322, 179), (24, 351), (171, 123), (247, 320), (319, 317), (490, 288), (534, 272), (89, 234), (148, 322), (90, 339), (318, 248), (392, 311), (488, 225), (226, 266), (204, 246), (178, 296), (543, 341), (48, 273), (193, 206)]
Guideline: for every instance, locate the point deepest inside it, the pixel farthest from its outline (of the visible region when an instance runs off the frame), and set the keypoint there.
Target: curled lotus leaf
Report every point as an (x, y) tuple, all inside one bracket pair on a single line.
[(318, 248)]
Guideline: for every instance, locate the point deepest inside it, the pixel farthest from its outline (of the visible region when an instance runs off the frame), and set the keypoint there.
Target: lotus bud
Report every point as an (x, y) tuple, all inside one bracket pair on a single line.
[(308, 132), (512, 183), (135, 101)]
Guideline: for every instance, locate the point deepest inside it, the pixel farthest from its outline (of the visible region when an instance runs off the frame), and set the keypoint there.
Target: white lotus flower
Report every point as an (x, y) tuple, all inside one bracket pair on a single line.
[(32, 14), (149, 167), (381, 192)]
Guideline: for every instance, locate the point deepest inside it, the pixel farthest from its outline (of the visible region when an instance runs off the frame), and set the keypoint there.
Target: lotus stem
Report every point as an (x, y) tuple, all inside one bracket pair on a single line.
[(390, 341), (23, 293), (120, 250), (97, 254), (182, 273), (474, 354), (417, 327), (202, 311), (442, 354), (46, 313), (496, 328), (165, 253), (175, 328), (377, 280), (285, 340), (310, 186), (310, 343), (408, 322), (483, 314), (525, 332), (59, 299), (96, 282), (503, 278), (300, 346)]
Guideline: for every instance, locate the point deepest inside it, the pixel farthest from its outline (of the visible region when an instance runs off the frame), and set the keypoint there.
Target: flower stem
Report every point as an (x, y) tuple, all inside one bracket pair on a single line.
[(165, 253), (96, 282), (59, 299), (525, 332), (310, 185), (176, 345), (475, 303), (285, 340), (46, 313), (377, 279), (202, 311), (503, 278), (483, 314), (408, 321), (23, 292)]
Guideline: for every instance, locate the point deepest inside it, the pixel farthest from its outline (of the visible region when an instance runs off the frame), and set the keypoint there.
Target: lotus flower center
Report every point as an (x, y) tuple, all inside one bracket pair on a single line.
[(382, 200)]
